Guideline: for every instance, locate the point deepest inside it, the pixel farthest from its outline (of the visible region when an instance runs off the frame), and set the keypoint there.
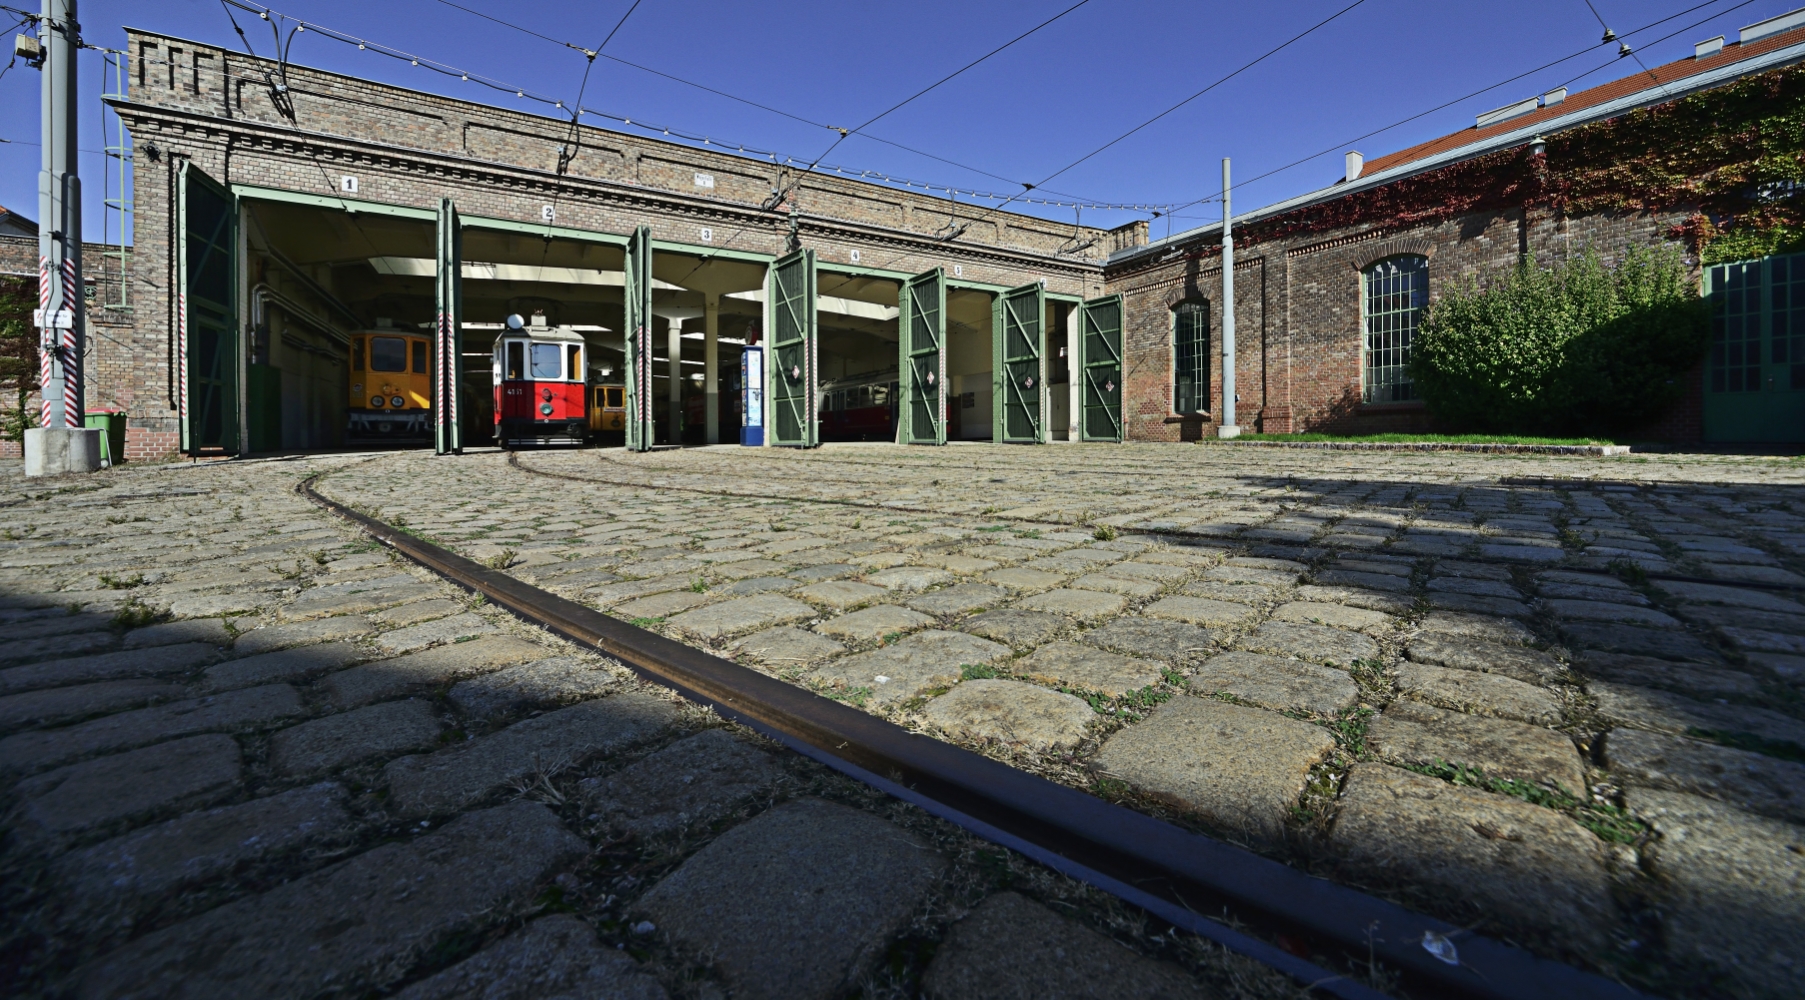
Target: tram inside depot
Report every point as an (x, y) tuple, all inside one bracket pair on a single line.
[(341, 312)]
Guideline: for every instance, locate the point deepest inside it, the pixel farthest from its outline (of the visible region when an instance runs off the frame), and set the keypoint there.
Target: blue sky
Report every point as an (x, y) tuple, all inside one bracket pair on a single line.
[(1022, 115)]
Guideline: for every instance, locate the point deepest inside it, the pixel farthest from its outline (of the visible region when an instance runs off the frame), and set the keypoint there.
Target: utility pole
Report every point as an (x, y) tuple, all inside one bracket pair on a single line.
[(1228, 429), (60, 444)]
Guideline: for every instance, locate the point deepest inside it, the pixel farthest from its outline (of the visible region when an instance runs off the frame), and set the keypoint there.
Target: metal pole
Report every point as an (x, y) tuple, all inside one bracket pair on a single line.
[(1228, 429), (60, 314)]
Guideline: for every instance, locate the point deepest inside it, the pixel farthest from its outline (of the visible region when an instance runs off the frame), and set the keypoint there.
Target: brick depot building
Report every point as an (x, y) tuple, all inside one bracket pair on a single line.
[(275, 233)]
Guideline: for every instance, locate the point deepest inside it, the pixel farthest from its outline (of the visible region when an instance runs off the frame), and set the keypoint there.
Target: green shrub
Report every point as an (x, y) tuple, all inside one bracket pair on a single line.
[(1579, 348)]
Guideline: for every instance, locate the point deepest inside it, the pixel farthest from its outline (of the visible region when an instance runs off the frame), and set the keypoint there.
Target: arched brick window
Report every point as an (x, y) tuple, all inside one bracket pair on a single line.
[(1397, 290), (1191, 357)]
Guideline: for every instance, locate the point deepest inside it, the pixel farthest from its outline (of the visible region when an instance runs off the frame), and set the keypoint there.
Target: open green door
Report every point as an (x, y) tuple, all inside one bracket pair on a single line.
[(1100, 353), (922, 347), (206, 313), (792, 394), (448, 344), (638, 292), (1018, 344)]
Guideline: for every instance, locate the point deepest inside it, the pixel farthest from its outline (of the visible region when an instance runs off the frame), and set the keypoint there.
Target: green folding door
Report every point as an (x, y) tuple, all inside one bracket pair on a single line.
[(448, 343), (922, 360), (207, 393), (1755, 372), (637, 289), (1100, 355), (793, 375), (1018, 344)]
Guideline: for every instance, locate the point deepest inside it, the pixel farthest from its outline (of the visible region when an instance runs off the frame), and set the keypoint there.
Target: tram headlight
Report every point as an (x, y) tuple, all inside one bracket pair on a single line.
[(545, 409), (376, 402), (397, 402)]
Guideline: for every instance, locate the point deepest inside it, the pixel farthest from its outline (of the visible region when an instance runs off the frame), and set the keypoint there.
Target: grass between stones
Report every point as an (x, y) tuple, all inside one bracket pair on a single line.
[(1610, 823)]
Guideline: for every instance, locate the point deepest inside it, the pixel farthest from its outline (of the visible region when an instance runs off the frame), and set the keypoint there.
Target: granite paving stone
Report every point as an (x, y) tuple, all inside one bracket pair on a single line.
[(159, 661), (33, 751), (1023, 580), (1017, 627), (1531, 666), (1478, 693), (335, 741), (797, 904), (262, 640), (552, 957), (108, 790), (693, 782), (1275, 683), (1082, 605), (1692, 679), (1172, 642), (1666, 712), (841, 595), (1313, 643), (431, 633), (661, 605), (107, 881), (1240, 593), (1733, 889), (1241, 769), (874, 623), (1416, 734), (1011, 712), (553, 681), (208, 630), (357, 596), (1598, 611), (908, 579), (1201, 611), (453, 779), (1116, 585), (1088, 668), (1752, 782), (785, 647), (745, 614), (1517, 866), (404, 674), (365, 920), (415, 612), (293, 664), (1668, 644), (909, 667), (1458, 626), (958, 599), (1336, 615), (52, 705), (1010, 947)]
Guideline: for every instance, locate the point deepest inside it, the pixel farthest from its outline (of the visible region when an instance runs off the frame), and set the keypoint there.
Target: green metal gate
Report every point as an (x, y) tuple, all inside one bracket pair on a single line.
[(1018, 342), (206, 313), (637, 289), (793, 376), (1755, 372), (448, 290), (922, 346), (1100, 352)]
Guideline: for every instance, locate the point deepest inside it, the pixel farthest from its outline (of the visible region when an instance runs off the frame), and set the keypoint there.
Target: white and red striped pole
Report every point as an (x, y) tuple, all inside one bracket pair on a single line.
[(60, 313)]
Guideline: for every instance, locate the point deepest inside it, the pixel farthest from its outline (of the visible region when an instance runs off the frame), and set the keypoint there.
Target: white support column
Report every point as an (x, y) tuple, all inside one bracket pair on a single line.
[(711, 365), (1228, 428), (675, 364)]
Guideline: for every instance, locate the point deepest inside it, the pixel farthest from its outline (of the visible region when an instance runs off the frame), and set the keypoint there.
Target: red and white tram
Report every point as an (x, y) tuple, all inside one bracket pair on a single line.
[(540, 392)]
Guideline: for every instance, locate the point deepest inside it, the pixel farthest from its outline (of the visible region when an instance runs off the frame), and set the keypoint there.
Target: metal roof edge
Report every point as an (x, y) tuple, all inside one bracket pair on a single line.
[(1658, 94)]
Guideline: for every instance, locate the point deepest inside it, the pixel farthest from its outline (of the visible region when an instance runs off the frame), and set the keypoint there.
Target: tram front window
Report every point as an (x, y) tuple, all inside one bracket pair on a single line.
[(545, 361), (420, 355), (516, 360), (388, 354)]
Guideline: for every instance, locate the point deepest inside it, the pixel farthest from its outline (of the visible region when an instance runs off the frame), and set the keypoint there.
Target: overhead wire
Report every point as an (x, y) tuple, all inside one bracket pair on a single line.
[(1466, 97)]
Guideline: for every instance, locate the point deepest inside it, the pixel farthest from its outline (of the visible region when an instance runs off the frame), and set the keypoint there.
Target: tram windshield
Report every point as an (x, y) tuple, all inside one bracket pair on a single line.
[(546, 358), (388, 354)]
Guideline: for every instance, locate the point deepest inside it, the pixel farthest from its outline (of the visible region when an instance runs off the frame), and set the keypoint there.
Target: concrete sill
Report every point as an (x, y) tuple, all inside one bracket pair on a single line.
[(1184, 418)]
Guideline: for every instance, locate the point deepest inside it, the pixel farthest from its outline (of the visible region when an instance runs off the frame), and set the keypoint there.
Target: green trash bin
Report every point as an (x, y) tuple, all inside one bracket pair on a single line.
[(112, 438)]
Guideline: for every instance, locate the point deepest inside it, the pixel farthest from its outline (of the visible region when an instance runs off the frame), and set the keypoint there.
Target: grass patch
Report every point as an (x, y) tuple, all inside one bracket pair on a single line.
[(1104, 533), (978, 672), (111, 582), (137, 614), (1609, 823), (1031, 533), (1428, 438), (698, 586), (500, 559), (646, 622), (1349, 729)]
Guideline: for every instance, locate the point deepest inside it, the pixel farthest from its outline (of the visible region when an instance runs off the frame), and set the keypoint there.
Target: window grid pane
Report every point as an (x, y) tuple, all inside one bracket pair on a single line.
[(1736, 328), (1191, 357), (1396, 292)]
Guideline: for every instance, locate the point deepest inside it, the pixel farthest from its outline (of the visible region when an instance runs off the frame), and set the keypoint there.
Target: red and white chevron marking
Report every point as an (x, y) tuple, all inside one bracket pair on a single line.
[(45, 341), (72, 416)]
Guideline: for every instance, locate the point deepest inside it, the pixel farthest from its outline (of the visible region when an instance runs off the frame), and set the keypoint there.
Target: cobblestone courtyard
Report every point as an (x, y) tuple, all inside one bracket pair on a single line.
[(249, 753)]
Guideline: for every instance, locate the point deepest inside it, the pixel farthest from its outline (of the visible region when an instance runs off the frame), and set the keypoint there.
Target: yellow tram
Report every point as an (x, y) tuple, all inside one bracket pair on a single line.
[(391, 388)]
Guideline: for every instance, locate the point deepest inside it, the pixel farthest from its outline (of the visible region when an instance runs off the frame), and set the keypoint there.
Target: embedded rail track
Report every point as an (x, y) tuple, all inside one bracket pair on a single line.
[(1173, 874)]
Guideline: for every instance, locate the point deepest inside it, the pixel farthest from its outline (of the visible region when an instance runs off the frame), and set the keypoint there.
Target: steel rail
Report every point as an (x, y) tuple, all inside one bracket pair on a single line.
[(1177, 537), (1174, 874)]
